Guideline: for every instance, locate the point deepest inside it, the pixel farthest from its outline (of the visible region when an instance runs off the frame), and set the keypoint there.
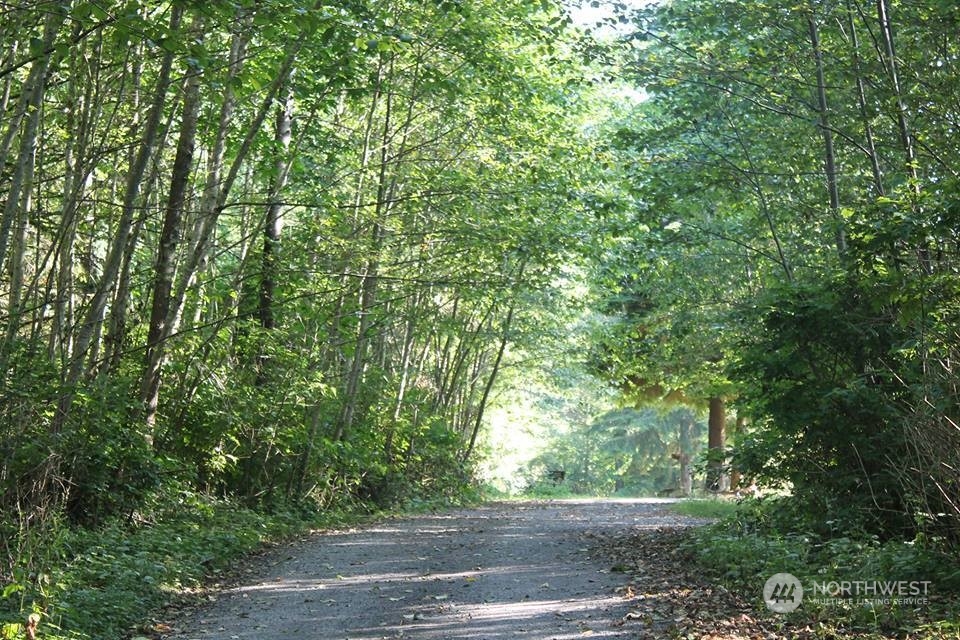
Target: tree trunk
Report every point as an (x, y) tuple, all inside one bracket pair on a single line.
[(94, 315), (893, 71), (491, 379), (829, 153), (28, 107), (213, 207), (7, 84), (871, 146), (158, 331), (406, 355), (59, 341), (117, 326), (735, 475), (370, 276), (274, 218), (906, 137), (686, 473), (19, 196), (716, 442)]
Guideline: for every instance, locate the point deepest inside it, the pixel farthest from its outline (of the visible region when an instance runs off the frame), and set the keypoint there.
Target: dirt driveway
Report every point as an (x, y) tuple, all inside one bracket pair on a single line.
[(513, 570)]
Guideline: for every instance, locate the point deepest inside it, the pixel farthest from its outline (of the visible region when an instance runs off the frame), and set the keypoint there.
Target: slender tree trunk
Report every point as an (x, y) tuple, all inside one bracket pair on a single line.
[(686, 445), (451, 367), (829, 153), (906, 137), (370, 276), (117, 324), (60, 340), (442, 367), (274, 218), (304, 458), (893, 71), (406, 355), (491, 379), (19, 196), (94, 315), (368, 295), (735, 475), (200, 248), (862, 104), (18, 250), (7, 87), (29, 109), (167, 252), (215, 187)]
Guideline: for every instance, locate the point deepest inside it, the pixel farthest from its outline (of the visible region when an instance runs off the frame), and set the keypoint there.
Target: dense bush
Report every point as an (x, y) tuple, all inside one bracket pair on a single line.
[(854, 402), (761, 539), (101, 583), (816, 372)]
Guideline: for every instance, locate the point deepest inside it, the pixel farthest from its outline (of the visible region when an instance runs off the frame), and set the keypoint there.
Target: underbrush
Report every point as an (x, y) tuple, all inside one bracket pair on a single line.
[(103, 583), (852, 582)]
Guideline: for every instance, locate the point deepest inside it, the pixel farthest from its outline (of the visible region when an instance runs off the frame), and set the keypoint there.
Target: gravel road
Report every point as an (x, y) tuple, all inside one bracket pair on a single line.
[(511, 570)]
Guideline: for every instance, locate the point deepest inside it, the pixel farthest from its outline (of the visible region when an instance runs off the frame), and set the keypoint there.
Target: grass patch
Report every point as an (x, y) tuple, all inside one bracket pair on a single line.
[(713, 508), (547, 490)]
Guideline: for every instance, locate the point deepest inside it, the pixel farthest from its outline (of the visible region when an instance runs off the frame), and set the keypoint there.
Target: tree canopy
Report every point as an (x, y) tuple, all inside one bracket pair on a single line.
[(273, 250), (283, 252), (790, 243)]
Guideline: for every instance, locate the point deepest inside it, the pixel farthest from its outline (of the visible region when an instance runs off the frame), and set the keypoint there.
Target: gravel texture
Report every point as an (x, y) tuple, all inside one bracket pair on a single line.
[(507, 570)]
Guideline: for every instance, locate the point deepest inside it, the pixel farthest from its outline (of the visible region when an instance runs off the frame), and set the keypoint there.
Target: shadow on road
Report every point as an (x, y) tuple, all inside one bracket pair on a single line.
[(512, 570)]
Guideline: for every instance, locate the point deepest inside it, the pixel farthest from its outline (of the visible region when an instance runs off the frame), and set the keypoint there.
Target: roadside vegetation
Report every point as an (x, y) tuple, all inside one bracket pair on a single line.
[(106, 583), (122, 579), (759, 539), (789, 260)]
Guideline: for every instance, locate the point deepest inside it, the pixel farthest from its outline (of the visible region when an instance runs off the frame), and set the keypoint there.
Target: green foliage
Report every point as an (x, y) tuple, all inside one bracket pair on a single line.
[(99, 583), (791, 245), (625, 452), (540, 417), (421, 165), (113, 466), (110, 466), (546, 489), (425, 175), (817, 366), (760, 539)]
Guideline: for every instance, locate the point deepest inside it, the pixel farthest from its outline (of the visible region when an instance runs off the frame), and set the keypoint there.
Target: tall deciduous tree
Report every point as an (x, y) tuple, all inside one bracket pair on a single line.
[(753, 109), (416, 154)]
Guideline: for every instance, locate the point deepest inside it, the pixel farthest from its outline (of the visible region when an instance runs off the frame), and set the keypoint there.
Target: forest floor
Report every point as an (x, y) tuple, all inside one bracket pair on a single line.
[(538, 570)]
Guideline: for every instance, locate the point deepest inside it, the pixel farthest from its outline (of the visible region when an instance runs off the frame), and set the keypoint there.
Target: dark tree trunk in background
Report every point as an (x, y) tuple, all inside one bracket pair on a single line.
[(716, 476), (167, 252)]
